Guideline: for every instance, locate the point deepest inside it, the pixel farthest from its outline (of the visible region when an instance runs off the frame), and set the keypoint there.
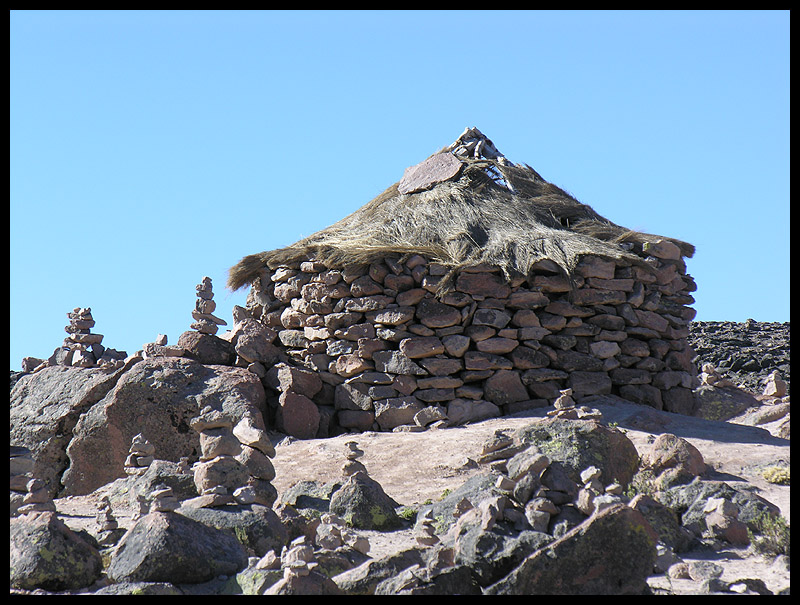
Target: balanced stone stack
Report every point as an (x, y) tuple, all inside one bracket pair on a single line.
[(37, 498), (81, 348), (234, 465), (426, 531), (163, 500), (84, 346), (352, 464), (109, 531), (387, 343), (205, 321), (140, 455)]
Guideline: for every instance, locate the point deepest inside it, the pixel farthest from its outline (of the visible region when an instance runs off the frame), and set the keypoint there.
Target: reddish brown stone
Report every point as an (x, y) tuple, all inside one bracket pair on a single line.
[(505, 386), (434, 314), (297, 416), (350, 365), (593, 266), (483, 285), (365, 286), (527, 299), (409, 298), (437, 168)]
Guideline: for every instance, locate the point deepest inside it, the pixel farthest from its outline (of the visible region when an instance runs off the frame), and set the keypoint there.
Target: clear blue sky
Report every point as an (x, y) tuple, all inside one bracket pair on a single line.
[(152, 148)]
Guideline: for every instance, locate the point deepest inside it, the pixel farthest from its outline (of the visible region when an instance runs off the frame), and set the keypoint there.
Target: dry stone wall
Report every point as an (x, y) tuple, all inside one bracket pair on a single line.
[(388, 352)]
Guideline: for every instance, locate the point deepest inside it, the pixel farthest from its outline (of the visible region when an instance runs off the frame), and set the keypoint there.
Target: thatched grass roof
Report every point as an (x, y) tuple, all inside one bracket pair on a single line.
[(511, 222)]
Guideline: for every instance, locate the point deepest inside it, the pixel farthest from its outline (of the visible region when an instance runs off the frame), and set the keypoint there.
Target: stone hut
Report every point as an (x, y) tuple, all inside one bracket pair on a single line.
[(475, 287)]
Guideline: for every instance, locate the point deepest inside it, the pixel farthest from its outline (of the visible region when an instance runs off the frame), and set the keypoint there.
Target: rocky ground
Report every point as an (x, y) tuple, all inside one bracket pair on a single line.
[(746, 353), (415, 468)]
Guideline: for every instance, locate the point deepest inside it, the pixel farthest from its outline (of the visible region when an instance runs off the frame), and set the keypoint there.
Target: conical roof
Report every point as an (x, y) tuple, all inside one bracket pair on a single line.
[(464, 205)]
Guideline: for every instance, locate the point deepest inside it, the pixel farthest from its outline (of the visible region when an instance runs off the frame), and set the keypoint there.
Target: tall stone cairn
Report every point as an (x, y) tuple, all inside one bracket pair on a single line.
[(81, 349), (234, 465), (204, 320), (84, 346)]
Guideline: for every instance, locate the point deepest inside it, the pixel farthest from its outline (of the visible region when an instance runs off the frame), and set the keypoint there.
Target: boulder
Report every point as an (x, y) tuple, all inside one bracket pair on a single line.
[(474, 489), (256, 527), (47, 554), (297, 415), (721, 403), (207, 348), (612, 552), (311, 583), (158, 398), (56, 397), (673, 460), (364, 579), (579, 444), (418, 580), (689, 502), (169, 547), (362, 503)]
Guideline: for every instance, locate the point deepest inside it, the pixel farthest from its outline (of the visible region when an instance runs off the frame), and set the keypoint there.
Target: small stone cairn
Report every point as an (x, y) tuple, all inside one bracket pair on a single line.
[(142, 507), (332, 533), (565, 407), (81, 339), (163, 500), (593, 496), (37, 499), (140, 455), (234, 465), (426, 532), (109, 530), (352, 464), (204, 320)]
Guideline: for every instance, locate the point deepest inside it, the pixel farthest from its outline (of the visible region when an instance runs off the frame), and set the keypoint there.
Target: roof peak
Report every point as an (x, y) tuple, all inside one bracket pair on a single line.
[(446, 165), (472, 143)]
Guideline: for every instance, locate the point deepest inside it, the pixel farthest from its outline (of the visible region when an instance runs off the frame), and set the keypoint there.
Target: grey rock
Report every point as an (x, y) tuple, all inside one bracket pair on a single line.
[(612, 552), (362, 503), (169, 547), (255, 526), (46, 554), (207, 348)]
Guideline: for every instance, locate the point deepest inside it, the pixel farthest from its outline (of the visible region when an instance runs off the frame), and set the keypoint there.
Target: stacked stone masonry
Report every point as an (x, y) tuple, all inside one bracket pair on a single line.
[(387, 347)]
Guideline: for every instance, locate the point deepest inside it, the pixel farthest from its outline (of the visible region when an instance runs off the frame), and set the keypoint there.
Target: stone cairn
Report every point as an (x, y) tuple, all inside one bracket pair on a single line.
[(234, 465), (81, 349), (426, 530), (352, 464), (140, 455), (109, 531), (142, 507), (37, 499), (565, 407), (163, 500), (205, 321), (531, 495)]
